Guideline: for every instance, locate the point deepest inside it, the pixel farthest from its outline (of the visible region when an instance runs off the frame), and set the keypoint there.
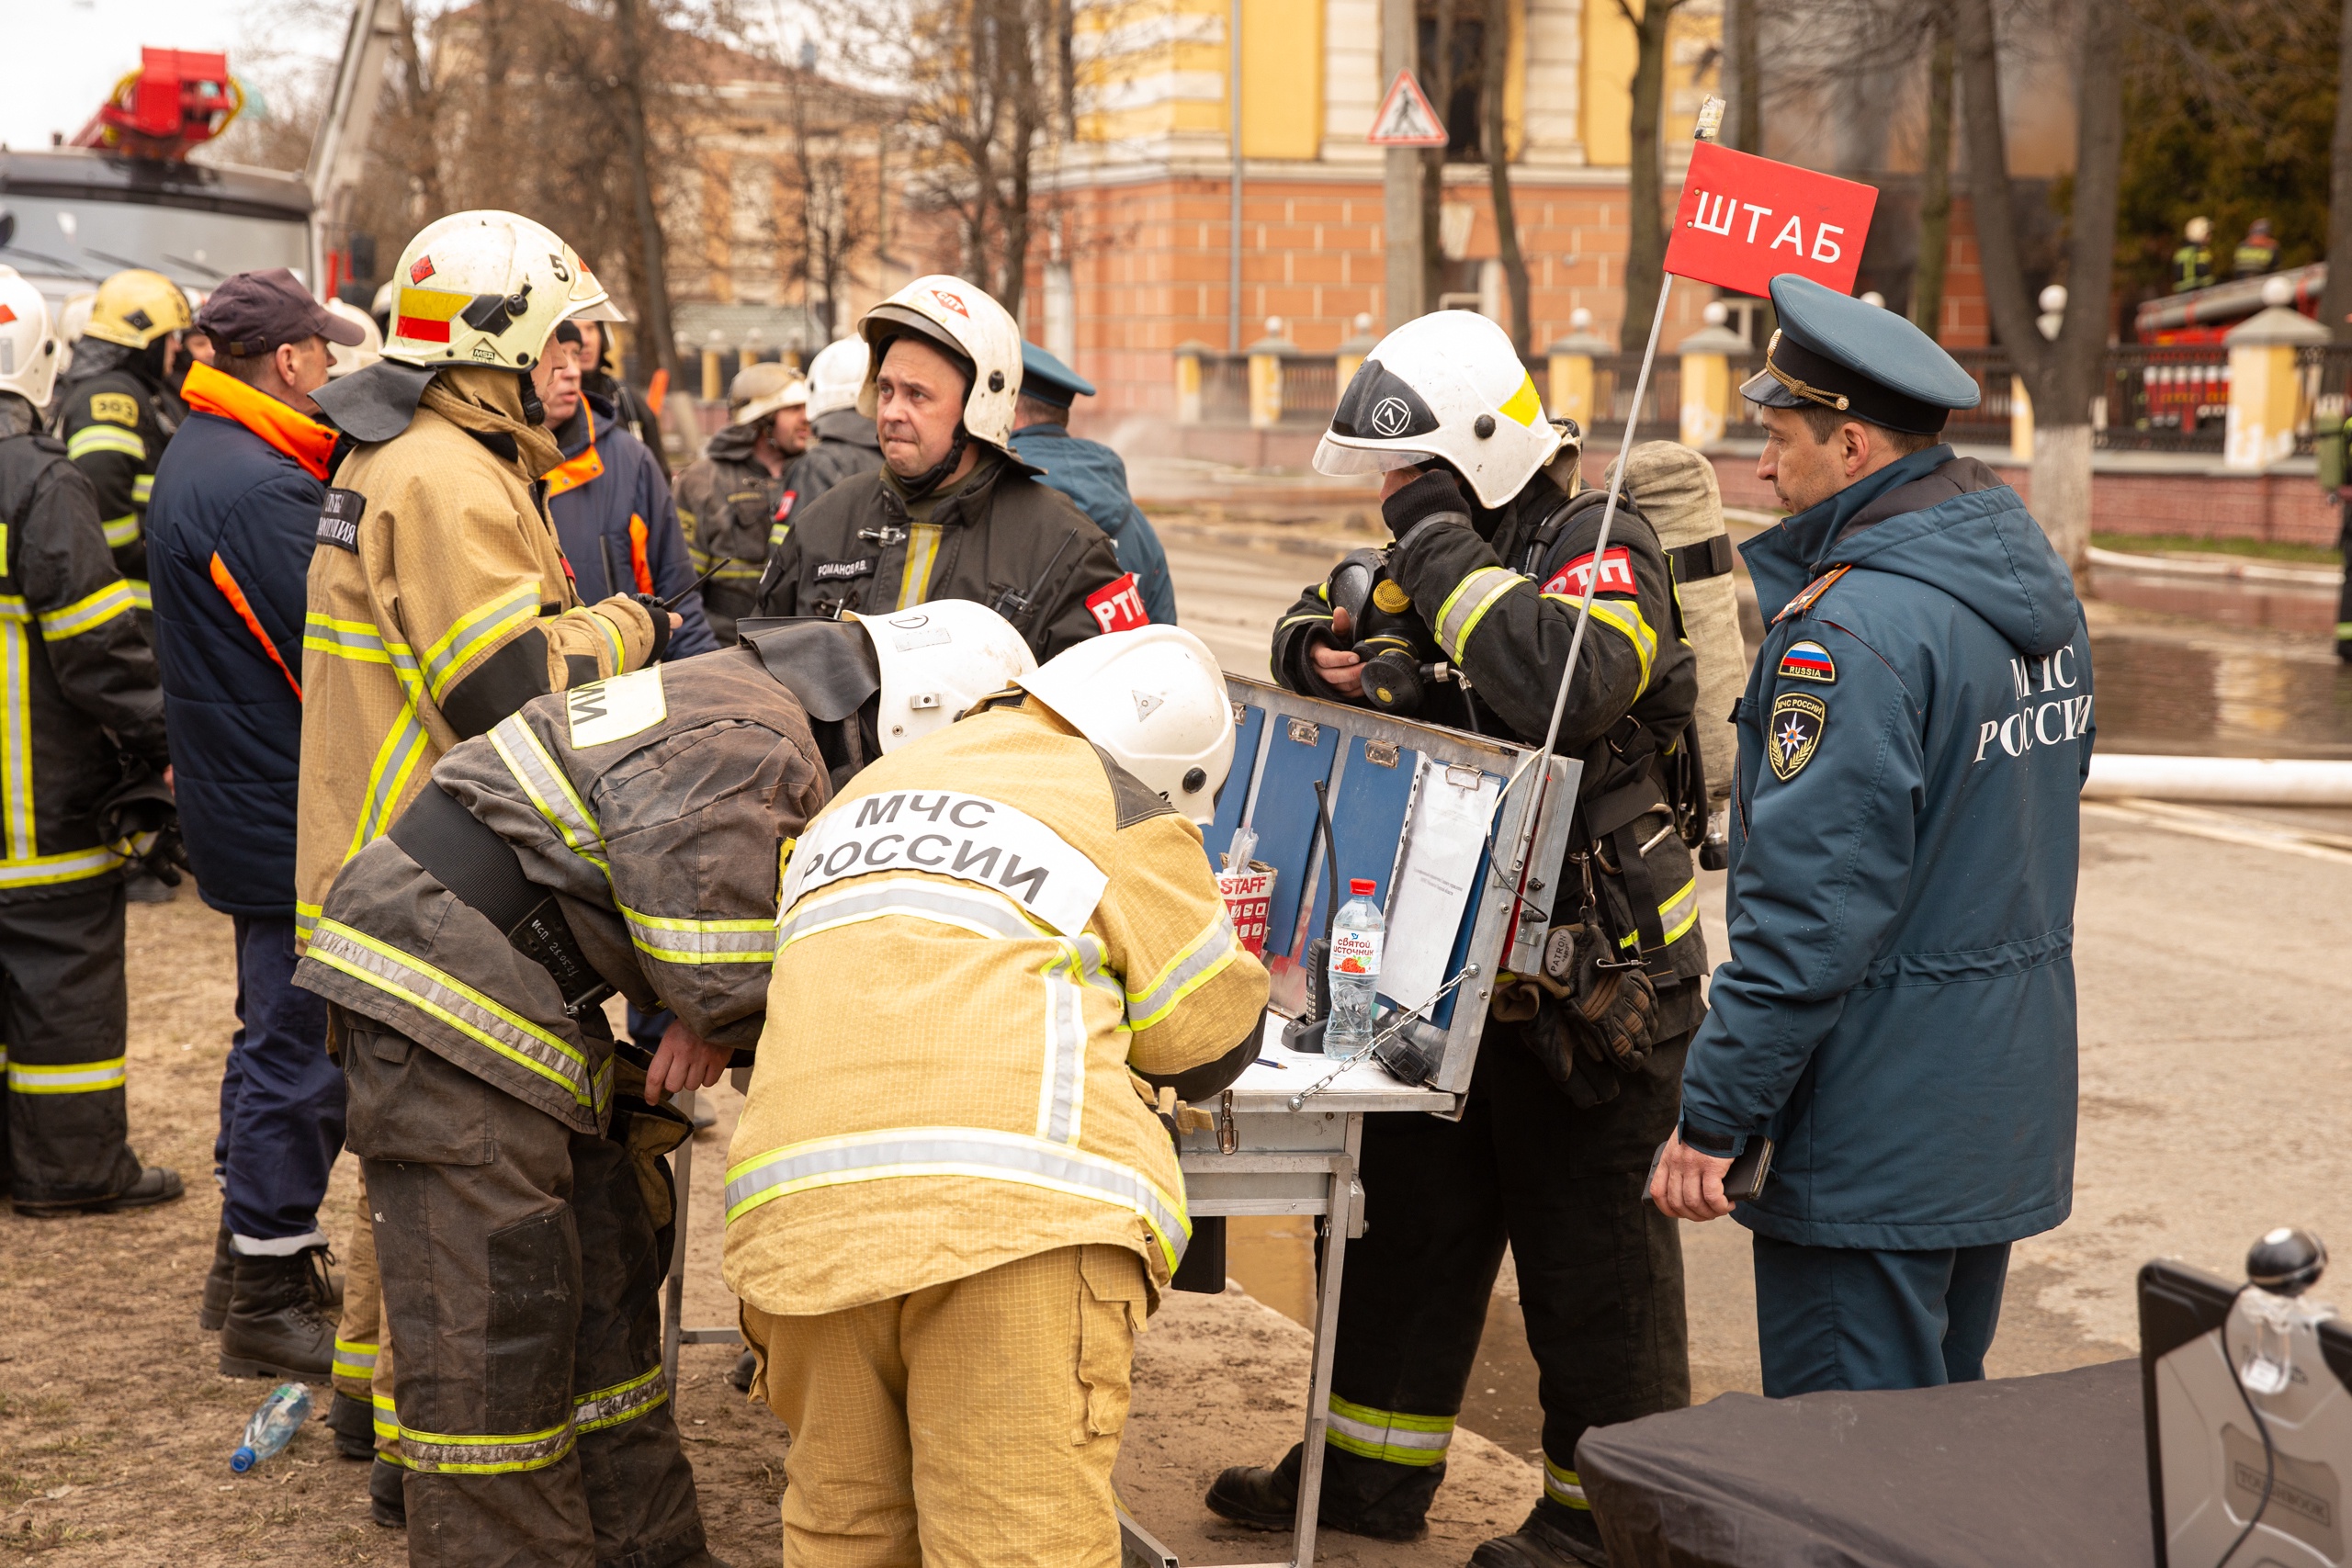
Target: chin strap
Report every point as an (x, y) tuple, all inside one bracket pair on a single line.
[(930, 479), (534, 410)]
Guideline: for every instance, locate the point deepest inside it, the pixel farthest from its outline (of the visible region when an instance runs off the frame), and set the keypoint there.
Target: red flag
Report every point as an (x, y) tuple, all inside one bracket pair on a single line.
[(1744, 221)]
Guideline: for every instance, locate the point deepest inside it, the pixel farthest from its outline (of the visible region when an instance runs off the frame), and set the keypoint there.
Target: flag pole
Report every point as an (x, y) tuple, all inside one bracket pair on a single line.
[(1711, 114)]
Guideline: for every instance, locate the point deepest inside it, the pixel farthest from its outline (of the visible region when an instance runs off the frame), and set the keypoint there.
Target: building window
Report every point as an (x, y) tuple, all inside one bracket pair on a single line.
[(1455, 77)]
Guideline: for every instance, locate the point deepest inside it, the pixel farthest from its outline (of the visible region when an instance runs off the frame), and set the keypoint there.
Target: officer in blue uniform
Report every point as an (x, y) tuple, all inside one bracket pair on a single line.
[(1088, 472), (1898, 1013)]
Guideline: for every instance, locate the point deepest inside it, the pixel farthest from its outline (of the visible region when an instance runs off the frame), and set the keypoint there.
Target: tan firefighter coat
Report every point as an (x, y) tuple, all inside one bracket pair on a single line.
[(440, 603), (980, 935), (656, 806)]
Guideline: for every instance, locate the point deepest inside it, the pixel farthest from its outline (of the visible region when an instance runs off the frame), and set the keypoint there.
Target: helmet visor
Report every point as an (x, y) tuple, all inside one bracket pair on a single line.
[(1333, 455)]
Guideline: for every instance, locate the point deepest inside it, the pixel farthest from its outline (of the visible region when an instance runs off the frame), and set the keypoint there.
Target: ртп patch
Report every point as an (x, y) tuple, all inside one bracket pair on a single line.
[(1808, 660), (1795, 732)]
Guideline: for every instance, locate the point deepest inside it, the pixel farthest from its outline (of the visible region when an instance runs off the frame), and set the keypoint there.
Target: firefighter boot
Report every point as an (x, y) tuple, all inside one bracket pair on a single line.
[(387, 1500), (277, 1325), (352, 1422), (155, 1184), (1267, 1499), (1553, 1537), (214, 1308)]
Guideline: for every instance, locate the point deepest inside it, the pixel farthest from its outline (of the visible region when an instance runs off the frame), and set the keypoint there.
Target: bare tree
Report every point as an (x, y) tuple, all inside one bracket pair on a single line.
[(1645, 172), (1436, 77), (1935, 181), (1498, 52), (833, 193), (2336, 303), (2062, 377)]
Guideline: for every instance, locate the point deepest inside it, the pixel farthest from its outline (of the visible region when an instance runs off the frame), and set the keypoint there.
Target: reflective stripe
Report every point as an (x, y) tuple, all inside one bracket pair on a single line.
[(142, 490), (396, 758), (16, 741), (90, 611), (549, 791), (121, 531), (1061, 1088), (355, 1358), (982, 914), (475, 632), (981, 1152), (141, 593), (455, 1003), (613, 641), (1564, 1487), (386, 1419), (306, 921), (362, 642), (622, 1402), (39, 871), (79, 1077), (498, 1454), (922, 549), (93, 438), (1624, 617), (1388, 1435), (1302, 621), (1463, 608), (1198, 964), (701, 941), (1676, 914), (777, 534)]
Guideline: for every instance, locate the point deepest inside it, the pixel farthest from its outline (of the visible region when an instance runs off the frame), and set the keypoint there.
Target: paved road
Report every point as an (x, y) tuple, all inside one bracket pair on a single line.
[(2215, 976)]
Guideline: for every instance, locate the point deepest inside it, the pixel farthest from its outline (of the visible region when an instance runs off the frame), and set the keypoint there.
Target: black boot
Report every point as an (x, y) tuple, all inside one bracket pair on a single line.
[(352, 1422), (1267, 1499), (214, 1309), (277, 1327), (386, 1504), (1553, 1537), (155, 1184), (739, 1375)]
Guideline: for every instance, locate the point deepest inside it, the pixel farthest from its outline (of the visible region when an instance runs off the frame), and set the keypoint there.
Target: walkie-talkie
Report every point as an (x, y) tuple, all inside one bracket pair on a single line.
[(1013, 606)]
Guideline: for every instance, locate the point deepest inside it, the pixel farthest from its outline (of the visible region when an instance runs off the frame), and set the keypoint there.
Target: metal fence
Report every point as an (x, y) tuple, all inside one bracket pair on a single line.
[(2163, 399), (1310, 391), (1225, 389), (2326, 373)]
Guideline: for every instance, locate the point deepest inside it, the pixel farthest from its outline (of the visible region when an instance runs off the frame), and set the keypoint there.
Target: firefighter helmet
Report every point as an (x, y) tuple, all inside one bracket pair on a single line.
[(1155, 700), (1447, 387), (135, 307), (369, 349), (937, 660), (956, 316), (29, 351), (487, 287), (758, 391), (836, 376)]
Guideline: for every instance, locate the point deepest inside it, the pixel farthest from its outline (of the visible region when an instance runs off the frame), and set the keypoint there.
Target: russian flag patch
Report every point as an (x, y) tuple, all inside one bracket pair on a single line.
[(1808, 661)]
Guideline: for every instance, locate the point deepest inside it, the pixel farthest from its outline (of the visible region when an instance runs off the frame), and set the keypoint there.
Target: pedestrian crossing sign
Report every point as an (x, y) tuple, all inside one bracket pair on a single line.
[(1406, 118)]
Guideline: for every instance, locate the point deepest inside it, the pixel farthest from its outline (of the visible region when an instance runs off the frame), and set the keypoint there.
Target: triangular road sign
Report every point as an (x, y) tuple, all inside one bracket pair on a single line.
[(1406, 118)]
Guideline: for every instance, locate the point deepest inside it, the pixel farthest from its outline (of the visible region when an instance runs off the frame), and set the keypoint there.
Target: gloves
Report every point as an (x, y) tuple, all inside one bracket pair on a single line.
[(1435, 497), (660, 619)]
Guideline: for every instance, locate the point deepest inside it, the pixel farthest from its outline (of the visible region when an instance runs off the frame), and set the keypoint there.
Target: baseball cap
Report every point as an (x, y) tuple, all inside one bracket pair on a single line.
[(257, 312)]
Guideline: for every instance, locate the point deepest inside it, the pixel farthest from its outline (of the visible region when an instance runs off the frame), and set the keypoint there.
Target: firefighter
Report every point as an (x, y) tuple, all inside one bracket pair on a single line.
[(117, 412), (953, 512), (2192, 263), (1578, 1081), (439, 599), (612, 508), (841, 440), (950, 1208), (83, 703), (727, 501), (620, 836), (2257, 253)]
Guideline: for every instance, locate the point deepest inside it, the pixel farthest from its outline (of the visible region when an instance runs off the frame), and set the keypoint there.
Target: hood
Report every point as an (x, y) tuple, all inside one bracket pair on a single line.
[(487, 404), (732, 444), (1950, 522), (849, 425)]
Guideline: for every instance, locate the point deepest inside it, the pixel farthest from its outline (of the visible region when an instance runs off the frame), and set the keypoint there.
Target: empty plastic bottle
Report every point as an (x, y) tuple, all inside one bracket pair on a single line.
[(1354, 973), (273, 1425)]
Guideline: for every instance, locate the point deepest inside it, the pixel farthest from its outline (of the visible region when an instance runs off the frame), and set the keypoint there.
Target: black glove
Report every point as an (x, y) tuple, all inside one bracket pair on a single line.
[(1435, 497), (661, 625)]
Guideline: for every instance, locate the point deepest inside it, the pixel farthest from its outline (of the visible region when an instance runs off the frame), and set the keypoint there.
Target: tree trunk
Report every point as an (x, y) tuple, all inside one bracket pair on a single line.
[(1497, 64), (2336, 303), (1747, 76), (1437, 81), (653, 306), (1645, 177), (1935, 183)]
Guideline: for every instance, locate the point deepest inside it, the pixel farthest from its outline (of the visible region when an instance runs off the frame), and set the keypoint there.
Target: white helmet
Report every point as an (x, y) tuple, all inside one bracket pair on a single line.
[(29, 351), (1448, 385), (486, 288), (759, 389), (937, 660), (1155, 700), (955, 315), (76, 316), (836, 376), (344, 361)]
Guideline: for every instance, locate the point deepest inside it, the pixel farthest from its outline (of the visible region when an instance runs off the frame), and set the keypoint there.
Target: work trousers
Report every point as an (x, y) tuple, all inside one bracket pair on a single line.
[(363, 1353), (519, 1267), (1599, 1278), (1850, 1317), (281, 1099), (64, 1021), (968, 1425)]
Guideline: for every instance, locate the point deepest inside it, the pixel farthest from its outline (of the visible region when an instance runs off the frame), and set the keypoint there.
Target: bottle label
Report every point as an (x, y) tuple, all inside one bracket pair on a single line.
[(1355, 952)]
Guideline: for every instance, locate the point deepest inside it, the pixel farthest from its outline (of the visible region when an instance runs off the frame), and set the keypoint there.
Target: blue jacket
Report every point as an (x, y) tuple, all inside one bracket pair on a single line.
[(593, 501), (233, 717), (1091, 474), (1899, 1009)]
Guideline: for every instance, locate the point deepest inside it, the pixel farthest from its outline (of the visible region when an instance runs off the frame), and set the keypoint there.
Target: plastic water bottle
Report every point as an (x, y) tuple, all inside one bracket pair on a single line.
[(1354, 972), (273, 1425)]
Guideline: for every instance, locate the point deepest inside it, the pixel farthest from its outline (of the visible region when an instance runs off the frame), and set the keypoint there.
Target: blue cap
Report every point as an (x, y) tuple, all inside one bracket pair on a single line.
[(1048, 381), (1836, 351)]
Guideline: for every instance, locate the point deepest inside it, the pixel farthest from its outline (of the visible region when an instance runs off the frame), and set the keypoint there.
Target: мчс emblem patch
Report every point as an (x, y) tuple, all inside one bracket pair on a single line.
[(1808, 661), (1798, 719)]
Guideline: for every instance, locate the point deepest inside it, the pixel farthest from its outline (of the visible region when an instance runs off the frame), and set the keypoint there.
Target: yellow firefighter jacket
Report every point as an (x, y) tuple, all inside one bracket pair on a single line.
[(979, 936), (654, 806), (440, 603)]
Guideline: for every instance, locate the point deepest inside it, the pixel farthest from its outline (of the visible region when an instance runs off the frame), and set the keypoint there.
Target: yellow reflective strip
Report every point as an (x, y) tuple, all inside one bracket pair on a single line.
[(605, 1407), (1462, 638), (518, 747), (613, 641), (1469, 604), (922, 549), (142, 490), (439, 1453), (1565, 1487), (387, 777), (74, 1077), (90, 611), (306, 921), (777, 534), (121, 531), (475, 631), (95, 438), (1688, 917), (37, 870), (140, 594), (1203, 959), (16, 743), (1391, 1437), (1624, 617), (701, 941)]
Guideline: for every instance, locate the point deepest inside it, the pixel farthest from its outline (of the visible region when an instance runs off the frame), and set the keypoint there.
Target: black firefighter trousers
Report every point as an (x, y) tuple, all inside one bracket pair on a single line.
[(519, 1264), (65, 1018), (1599, 1278)]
